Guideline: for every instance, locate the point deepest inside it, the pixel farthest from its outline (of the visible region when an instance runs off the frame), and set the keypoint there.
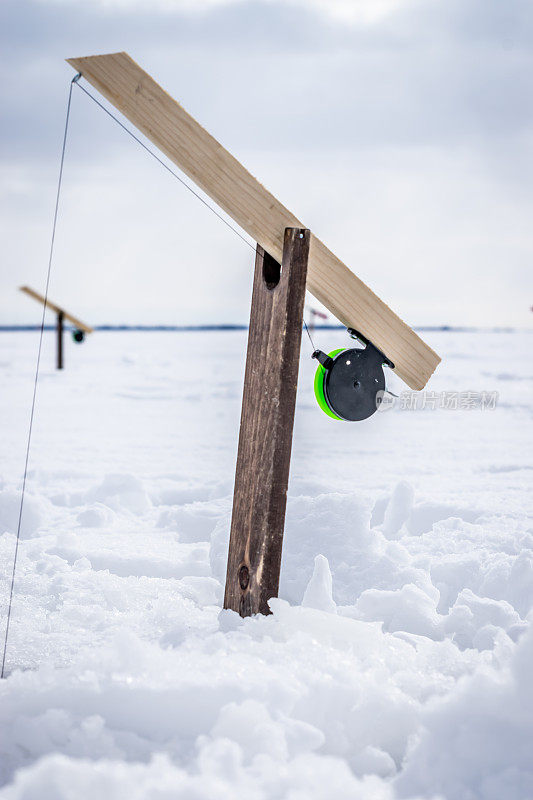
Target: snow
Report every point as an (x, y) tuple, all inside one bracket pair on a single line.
[(397, 660), (319, 591)]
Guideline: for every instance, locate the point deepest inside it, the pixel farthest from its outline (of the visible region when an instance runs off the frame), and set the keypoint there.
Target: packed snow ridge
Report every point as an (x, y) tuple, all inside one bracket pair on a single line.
[(397, 659)]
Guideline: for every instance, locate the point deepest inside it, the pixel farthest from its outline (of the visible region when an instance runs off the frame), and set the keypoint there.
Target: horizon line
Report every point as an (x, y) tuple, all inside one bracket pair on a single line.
[(242, 327)]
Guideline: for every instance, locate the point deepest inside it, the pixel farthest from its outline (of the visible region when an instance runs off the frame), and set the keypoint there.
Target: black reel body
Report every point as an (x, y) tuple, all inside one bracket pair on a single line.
[(349, 384), (78, 335)]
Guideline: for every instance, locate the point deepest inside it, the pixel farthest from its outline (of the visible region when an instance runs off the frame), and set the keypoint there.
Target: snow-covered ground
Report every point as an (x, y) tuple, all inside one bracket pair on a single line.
[(397, 662)]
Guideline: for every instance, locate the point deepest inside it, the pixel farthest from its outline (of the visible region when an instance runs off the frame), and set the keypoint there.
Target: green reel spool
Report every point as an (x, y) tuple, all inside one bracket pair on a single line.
[(320, 377)]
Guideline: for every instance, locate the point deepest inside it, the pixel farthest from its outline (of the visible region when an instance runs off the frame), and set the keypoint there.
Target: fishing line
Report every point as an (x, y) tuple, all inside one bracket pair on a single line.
[(165, 165), (32, 412), (172, 172), (75, 82), (309, 334)]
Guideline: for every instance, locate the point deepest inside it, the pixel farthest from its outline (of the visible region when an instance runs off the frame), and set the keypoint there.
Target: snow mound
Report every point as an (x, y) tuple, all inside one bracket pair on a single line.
[(32, 518), (121, 491), (220, 775), (478, 742), (96, 515), (396, 661), (319, 591), (194, 522), (300, 684), (339, 525)]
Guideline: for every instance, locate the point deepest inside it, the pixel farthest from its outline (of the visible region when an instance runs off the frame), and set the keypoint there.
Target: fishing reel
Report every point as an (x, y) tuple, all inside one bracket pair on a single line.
[(78, 335), (349, 384)]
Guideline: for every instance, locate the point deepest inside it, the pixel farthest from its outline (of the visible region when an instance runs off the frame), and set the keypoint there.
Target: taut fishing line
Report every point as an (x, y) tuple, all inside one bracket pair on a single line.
[(172, 172), (75, 82), (32, 412)]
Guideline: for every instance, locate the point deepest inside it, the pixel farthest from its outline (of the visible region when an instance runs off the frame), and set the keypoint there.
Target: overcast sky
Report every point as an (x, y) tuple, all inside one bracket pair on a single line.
[(400, 132)]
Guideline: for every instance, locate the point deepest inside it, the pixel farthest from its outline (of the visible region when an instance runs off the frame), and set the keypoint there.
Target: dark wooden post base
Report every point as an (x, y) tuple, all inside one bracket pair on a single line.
[(59, 331), (267, 418)]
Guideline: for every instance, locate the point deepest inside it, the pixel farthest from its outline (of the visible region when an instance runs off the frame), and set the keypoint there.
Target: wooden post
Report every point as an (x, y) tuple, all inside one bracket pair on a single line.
[(59, 329), (61, 316), (267, 418)]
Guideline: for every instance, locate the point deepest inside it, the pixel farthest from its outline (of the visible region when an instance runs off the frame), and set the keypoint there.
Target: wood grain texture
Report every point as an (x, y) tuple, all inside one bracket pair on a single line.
[(130, 89), (53, 307), (265, 437)]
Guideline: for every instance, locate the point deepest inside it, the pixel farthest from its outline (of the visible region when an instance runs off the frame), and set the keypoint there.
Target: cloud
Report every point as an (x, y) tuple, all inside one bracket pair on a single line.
[(424, 74), (354, 11), (403, 137)]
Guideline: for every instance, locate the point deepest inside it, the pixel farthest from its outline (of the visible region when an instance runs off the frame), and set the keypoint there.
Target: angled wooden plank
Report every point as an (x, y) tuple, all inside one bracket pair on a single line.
[(130, 89), (53, 307)]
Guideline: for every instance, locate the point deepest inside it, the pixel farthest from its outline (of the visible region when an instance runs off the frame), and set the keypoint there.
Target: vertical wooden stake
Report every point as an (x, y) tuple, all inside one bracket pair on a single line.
[(267, 418), (59, 330)]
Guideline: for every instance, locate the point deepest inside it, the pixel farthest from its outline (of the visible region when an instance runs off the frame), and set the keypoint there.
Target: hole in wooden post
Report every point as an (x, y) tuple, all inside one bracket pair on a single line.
[(244, 577), (271, 271)]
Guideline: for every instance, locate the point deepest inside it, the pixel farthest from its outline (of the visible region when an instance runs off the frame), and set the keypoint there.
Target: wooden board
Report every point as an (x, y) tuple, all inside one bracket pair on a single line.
[(130, 89), (265, 438), (53, 307)]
